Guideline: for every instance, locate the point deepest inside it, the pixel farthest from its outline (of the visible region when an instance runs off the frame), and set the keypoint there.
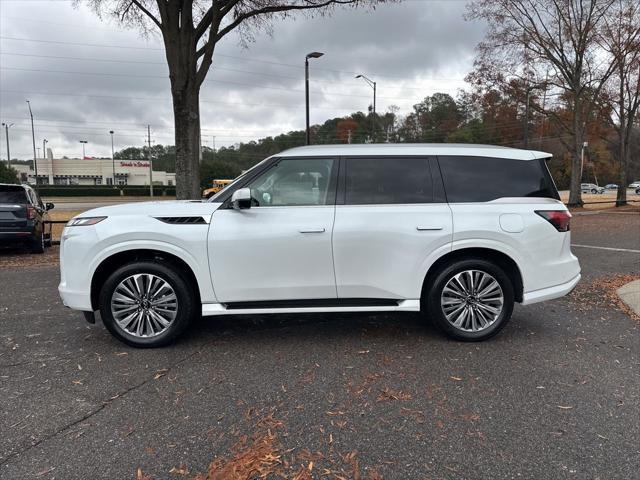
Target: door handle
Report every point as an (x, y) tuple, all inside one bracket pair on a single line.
[(426, 229), (312, 230)]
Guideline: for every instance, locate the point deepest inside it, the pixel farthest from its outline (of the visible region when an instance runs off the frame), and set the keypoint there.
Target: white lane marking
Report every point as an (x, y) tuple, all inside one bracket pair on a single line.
[(607, 248)]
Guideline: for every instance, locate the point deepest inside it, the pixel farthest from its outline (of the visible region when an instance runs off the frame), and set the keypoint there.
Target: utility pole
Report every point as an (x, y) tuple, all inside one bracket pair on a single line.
[(306, 90), (349, 136), (150, 161), (113, 160), (33, 138), (213, 146), (6, 132)]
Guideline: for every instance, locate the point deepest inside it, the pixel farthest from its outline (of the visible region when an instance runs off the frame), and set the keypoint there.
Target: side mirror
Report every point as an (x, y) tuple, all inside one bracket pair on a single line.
[(49, 206), (241, 199)]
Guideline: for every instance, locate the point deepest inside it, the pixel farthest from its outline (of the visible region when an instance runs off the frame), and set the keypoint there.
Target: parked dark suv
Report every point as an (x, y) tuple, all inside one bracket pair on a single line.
[(22, 216)]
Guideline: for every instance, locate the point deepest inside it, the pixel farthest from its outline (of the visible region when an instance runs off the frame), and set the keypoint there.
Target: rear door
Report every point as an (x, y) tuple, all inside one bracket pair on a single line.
[(391, 221), (13, 208)]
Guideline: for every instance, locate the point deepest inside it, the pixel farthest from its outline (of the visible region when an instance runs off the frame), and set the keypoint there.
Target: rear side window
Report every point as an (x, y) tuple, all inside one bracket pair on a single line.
[(388, 180), (12, 195), (482, 179)]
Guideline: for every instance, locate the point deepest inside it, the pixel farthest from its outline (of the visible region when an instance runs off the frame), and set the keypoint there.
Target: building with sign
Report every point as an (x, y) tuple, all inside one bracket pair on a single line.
[(75, 171)]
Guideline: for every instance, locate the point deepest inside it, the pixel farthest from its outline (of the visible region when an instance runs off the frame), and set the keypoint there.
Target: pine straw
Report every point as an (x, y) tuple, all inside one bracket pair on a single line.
[(601, 292), (22, 257), (262, 455)]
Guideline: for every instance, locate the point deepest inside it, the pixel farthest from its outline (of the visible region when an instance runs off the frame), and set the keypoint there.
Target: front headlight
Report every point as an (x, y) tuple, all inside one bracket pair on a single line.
[(84, 221)]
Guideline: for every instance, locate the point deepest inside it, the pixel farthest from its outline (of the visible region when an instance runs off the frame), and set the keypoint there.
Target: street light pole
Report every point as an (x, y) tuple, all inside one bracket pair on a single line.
[(44, 152), (83, 142), (306, 90), (113, 160), (6, 132), (33, 138), (373, 85)]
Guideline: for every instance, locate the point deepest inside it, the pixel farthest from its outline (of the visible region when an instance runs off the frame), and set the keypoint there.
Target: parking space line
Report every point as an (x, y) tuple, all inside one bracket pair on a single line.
[(606, 248)]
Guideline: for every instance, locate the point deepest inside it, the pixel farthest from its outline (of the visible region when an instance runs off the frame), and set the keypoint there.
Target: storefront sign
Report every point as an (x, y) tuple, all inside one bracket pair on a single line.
[(135, 164)]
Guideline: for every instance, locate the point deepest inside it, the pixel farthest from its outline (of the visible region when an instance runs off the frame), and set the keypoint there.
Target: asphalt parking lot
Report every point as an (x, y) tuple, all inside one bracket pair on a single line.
[(555, 395)]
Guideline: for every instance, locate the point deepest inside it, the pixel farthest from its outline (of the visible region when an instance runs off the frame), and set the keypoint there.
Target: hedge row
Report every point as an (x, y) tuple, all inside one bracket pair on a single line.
[(103, 191)]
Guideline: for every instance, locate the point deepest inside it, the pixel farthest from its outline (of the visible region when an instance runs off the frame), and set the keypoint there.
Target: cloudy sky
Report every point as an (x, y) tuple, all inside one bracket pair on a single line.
[(85, 76)]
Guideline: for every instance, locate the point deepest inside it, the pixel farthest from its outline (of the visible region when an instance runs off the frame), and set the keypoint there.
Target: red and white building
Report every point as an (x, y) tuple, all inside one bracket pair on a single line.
[(76, 171)]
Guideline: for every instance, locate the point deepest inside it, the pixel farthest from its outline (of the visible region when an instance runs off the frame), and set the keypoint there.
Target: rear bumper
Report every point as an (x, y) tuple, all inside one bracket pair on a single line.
[(550, 293), (16, 236)]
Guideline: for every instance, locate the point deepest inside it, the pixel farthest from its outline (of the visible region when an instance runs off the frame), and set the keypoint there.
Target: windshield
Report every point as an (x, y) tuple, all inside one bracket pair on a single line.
[(242, 176)]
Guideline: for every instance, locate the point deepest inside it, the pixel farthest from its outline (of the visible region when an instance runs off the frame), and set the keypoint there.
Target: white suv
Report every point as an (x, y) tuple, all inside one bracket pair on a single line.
[(460, 232)]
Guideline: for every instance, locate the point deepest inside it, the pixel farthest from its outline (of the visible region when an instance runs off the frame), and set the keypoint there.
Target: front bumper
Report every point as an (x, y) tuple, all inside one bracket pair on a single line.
[(74, 299)]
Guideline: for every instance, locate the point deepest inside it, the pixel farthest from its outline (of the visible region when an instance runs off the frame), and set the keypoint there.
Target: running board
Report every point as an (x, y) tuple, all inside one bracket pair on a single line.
[(311, 306)]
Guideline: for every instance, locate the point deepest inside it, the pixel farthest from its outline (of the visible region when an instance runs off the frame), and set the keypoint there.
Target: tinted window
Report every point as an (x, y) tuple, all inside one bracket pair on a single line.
[(294, 182), (12, 195), (481, 179), (387, 180)]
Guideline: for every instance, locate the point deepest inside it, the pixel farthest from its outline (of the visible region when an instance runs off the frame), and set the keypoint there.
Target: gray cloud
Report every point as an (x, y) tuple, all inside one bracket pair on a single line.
[(411, 49)]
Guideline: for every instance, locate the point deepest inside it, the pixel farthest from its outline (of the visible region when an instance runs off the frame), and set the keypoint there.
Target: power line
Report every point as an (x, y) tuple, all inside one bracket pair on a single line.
[(244, 59), (252, 85), (227, 69), (204, 100)]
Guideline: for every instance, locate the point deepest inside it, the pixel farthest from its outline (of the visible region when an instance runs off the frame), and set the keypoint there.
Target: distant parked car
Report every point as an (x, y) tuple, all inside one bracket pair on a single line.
[(22, 217), (591, 188), (611, 186), (635, 184)]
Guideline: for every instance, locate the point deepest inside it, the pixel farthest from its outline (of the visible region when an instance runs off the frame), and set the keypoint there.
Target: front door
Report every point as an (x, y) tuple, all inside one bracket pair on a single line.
[(280, 248)]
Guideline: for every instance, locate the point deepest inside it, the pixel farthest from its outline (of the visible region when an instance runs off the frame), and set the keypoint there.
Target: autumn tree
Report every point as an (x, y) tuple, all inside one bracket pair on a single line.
[(620, 39), (191, 30), (551, 45)]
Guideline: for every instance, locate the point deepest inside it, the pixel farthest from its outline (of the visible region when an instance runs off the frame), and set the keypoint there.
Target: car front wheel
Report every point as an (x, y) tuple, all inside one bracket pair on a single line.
[(470, 300), (593, 190), (147, 304)]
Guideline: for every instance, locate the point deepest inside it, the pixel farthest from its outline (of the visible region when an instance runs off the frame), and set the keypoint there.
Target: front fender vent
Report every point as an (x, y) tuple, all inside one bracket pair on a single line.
[(183, 220)]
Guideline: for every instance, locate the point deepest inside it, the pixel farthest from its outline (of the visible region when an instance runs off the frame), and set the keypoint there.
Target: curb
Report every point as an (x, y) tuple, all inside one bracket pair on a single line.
[(630, 295)]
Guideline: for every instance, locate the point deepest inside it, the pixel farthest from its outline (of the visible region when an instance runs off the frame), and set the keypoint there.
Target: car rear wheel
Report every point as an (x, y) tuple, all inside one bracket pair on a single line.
[(38, 243), (593, 190), (147, 304), (470, 300)]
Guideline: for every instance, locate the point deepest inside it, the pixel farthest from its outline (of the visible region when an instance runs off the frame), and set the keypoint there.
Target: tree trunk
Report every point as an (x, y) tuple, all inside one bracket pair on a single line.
[(186, 114)]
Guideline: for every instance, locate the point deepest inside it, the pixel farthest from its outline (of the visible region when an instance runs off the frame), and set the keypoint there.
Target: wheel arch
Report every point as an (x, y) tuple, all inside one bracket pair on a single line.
[(111, 263), (501, 259)]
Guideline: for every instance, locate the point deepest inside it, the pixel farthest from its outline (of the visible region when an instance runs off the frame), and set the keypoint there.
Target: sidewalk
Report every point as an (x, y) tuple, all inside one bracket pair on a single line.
[(630, 294)]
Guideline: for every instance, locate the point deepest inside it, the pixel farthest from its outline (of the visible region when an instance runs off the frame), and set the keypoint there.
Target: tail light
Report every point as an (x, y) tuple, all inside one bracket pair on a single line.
[(31, 213), (560, 219)]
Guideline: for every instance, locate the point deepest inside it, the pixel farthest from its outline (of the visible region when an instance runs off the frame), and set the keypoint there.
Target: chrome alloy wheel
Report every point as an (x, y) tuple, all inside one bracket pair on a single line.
[(144, 305), (472, 300)]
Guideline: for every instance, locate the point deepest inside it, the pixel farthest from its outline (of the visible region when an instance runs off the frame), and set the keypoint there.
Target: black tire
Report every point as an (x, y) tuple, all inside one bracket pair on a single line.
[(433, 293), (593, 190), (37, 244), (187, 303)]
